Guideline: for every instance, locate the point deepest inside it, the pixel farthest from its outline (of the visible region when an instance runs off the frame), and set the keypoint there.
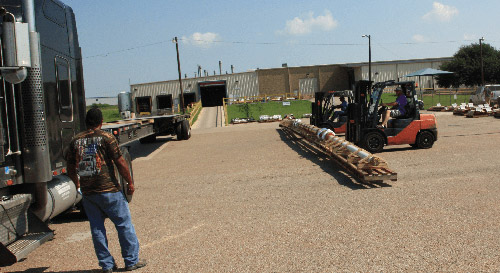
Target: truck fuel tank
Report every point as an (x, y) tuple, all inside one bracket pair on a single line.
[(61, 195)]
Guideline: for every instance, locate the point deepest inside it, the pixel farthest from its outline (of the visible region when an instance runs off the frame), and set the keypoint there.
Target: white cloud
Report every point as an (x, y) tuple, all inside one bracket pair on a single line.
[(441, 12), (203, 40), (469, 37), (419, 38), (301, 26)]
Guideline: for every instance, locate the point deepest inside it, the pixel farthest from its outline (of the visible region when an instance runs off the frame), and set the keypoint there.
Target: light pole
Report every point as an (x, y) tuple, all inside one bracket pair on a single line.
[(180, 75), (482, 67), (369, 59)]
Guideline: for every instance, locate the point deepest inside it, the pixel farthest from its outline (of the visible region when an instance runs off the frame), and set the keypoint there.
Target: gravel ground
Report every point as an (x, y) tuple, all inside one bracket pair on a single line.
[(248, 198)]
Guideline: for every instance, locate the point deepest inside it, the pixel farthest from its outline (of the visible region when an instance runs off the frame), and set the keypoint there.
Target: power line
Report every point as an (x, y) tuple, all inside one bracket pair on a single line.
[(275, 43)]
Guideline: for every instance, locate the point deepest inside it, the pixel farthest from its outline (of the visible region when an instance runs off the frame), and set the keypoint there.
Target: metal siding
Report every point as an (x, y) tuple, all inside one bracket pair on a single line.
[(247, 85), (395, 71), (102, 100), (308, 86)]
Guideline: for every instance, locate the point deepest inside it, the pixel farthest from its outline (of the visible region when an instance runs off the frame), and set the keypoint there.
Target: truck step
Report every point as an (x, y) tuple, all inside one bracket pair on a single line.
[(22, 247), (37, 234)]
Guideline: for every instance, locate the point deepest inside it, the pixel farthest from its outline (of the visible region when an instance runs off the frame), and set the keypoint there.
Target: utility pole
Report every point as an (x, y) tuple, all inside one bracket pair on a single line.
[(180, 74), (369, 59), (482, 66)]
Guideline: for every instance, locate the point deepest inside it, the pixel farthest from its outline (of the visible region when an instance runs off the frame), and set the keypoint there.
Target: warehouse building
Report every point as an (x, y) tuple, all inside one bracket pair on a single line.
[(156, 97)]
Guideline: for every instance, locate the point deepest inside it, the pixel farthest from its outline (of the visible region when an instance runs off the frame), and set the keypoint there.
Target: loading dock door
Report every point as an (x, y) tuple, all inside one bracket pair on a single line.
[(143, 105), (189, 98), (212, 93), (164, 101)]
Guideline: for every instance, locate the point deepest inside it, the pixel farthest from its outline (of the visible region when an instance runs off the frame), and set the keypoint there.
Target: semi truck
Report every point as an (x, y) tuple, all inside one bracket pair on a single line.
[(42, 106)]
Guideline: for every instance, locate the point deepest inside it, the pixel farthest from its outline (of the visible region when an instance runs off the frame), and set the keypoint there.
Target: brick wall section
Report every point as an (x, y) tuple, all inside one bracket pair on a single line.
[(286, 80), (273, 81)]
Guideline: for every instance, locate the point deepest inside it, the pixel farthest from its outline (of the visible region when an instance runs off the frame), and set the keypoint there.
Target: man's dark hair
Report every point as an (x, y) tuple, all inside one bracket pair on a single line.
[(93, 118)]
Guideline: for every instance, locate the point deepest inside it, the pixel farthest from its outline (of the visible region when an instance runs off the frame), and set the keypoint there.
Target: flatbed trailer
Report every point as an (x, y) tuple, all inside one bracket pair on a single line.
[(146, 129)]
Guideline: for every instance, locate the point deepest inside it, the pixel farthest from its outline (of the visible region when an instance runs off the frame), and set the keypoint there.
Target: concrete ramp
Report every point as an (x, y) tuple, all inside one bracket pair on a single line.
[(210, 117)]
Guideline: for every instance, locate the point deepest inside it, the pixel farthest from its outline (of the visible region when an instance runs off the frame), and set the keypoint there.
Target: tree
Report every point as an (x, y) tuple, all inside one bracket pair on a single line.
[(466, 65)]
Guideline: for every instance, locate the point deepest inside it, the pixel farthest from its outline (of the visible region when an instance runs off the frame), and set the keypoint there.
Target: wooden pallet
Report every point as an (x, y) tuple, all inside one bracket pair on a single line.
[(369, 169)]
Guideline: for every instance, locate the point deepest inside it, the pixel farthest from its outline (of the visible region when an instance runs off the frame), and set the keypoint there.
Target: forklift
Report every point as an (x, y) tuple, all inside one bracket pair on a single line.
[(418, 130), (323, 108)]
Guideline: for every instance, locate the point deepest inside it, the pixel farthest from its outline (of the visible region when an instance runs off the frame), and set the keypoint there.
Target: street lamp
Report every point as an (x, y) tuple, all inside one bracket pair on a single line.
[(482, 67), (369, 59)]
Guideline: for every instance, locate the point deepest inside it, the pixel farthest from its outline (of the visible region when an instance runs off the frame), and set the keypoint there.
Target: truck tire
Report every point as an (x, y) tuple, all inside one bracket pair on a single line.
[(123, 182), (178, 130), (186, 130), (425, 140), (373, 142), (148, 139)]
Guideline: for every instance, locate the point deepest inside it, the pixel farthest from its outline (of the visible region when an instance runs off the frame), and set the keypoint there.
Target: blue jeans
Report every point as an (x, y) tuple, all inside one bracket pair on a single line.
[(337, 114), (112, 205)]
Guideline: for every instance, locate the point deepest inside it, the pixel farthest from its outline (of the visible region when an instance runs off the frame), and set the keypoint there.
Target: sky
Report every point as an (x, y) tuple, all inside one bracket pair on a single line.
[(128, 41)]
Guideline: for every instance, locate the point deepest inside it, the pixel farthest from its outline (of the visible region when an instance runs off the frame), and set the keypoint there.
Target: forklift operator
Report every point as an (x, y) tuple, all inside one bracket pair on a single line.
[(397, 111), (342, 106)]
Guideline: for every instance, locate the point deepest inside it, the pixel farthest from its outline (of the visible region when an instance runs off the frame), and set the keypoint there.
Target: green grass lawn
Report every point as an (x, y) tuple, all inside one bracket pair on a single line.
[(430, 101), (109, 112), (255, 110)]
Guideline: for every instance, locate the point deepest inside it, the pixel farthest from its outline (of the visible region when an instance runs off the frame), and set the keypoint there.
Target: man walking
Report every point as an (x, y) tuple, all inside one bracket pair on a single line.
[(90, 161)]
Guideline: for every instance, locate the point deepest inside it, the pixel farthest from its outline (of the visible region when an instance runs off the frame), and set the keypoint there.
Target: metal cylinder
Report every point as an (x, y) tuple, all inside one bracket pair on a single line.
[(325, 134), (61, 195), (124, 102)]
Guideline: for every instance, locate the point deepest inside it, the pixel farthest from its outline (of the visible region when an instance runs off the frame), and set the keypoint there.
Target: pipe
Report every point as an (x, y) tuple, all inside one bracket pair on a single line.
[(29, 14), (324, 134)]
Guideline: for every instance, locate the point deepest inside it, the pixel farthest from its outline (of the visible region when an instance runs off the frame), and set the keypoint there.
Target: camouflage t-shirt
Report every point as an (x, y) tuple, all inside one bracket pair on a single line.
[(92, 153)]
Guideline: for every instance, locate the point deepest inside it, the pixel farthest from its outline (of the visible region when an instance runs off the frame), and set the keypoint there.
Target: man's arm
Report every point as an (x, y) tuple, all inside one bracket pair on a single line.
[(124, 171), (390, 104), (72, 174)]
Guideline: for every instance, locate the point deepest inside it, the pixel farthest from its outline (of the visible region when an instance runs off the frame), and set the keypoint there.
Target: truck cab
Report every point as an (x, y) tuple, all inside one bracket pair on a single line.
[(42, 106), (480, 96)]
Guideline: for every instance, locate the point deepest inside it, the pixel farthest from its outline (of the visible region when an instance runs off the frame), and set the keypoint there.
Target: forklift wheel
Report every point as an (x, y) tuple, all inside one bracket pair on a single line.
[(373, 142), (425, 140)]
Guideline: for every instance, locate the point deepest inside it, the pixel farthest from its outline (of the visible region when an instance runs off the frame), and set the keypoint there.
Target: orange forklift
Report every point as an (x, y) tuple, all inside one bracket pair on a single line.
[(363, 115)]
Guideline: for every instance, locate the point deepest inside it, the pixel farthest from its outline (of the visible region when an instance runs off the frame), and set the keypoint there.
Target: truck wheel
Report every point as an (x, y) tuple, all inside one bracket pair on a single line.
[(373, 142), (186, 130), (123, 182), (148, 139), (178, 130), (425, 140)]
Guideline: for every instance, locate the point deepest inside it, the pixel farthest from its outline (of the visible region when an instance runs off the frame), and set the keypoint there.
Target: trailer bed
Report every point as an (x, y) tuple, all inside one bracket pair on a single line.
[(129, 130)]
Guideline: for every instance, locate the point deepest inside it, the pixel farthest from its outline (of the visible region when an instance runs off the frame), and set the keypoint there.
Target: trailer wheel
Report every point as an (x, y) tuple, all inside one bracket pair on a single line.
[(425, 140), (373, 142), (123, 182), (186, 130), (178, 130), (148, 139)]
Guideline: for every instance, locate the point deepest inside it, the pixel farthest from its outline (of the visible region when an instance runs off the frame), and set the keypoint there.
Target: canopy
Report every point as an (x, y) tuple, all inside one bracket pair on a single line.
[(428, 72)]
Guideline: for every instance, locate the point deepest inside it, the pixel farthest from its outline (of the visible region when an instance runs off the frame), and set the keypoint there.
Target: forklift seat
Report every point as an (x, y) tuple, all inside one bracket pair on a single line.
[(399, 122)]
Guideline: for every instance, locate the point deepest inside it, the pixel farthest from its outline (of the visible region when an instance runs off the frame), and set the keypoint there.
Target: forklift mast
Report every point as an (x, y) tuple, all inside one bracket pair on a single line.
[(357, 111)]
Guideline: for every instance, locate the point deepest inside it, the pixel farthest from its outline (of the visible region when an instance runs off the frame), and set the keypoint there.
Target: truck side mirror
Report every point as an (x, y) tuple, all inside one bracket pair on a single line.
[(17, 56)]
